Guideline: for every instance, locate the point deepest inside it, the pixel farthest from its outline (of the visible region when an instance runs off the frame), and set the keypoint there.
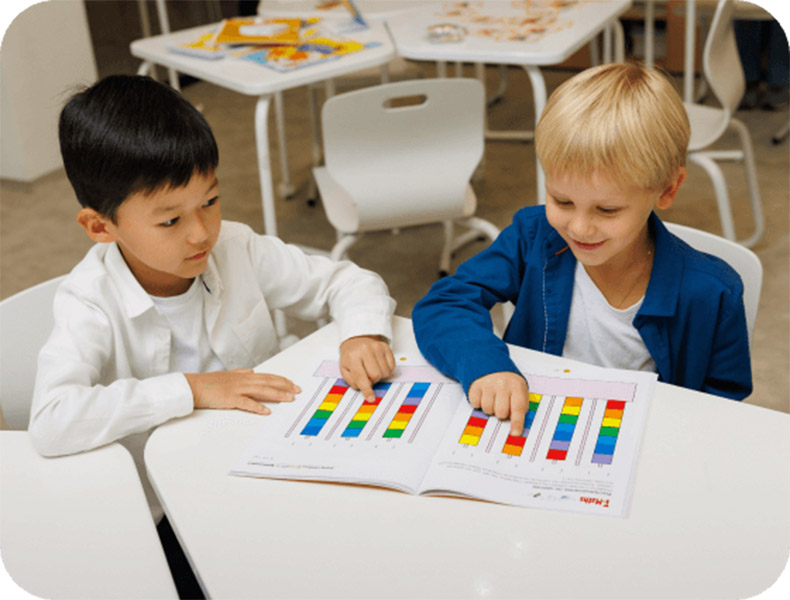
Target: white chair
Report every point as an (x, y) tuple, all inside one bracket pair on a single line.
[(721, 66), (26, 320), (392, 162), (745, 262)]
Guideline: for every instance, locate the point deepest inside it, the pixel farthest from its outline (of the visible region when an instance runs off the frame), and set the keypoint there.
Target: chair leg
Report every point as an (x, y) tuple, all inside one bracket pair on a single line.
[(752, 183), (343, 244), (720, 188), (485, 227), (447, 248)]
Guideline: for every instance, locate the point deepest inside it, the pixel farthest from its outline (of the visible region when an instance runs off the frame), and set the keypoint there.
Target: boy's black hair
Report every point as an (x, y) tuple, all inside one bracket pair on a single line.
[(128, 134)]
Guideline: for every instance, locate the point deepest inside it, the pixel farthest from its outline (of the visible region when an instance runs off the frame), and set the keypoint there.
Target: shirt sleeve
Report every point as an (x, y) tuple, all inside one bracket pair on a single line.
[(72, 410), (310, 287), (452, 323)]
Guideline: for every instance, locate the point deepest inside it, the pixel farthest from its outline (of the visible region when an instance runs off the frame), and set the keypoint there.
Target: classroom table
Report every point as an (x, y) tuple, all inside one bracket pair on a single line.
[(251, 79), (78, 526), (580, 24), (710, 514)]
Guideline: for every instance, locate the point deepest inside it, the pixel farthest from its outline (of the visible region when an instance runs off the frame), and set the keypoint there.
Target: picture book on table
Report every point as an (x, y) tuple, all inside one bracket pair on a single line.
[(577, 451)]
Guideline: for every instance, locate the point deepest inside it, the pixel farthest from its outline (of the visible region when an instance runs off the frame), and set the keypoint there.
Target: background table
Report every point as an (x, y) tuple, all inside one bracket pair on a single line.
[(584, 21), (246, 77), (78, 526), (710, 515)]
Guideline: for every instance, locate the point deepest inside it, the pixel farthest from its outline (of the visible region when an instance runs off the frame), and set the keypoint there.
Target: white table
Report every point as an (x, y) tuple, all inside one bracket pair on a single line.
[(710, 515), (248, 78), (78, 526), (584, 21)]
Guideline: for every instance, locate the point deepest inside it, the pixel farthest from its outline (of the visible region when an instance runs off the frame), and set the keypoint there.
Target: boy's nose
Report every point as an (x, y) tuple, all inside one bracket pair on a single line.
[(198, 232), (580, 227)]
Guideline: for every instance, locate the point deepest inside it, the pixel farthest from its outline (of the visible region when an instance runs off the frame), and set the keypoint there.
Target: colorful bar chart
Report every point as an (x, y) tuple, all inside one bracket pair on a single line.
[(325, 409), (514, 445), (558, 449), (364, 412), (610, 429), (474, 428), (406, 411)]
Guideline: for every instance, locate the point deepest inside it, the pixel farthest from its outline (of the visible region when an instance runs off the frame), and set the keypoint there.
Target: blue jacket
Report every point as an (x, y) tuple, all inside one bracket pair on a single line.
[(692, 319)]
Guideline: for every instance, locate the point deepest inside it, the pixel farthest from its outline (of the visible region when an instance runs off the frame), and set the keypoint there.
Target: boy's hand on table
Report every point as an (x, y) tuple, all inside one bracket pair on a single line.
[(503, 395), (364, 360), (241, 388)]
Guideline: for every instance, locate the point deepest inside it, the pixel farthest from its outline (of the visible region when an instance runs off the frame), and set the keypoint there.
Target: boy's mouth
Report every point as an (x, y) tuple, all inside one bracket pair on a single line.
[(198, 256), (583, 246)]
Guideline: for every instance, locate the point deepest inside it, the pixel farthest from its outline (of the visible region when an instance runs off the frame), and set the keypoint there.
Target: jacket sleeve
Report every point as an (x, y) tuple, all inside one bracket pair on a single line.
[(71, 410), (729, 372), (452, 323), (310, 286)]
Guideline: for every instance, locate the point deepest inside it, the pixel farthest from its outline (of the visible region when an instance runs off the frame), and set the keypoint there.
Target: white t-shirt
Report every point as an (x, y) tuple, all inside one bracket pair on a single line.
[(190, 347), (600, 334)]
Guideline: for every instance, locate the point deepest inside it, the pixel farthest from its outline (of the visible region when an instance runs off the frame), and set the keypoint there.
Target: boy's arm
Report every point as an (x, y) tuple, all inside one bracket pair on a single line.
[(71, 411), (452, 323), (310, 287)]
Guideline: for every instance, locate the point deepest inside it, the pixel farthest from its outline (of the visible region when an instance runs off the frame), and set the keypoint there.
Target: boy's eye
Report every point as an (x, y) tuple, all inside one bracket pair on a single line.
[(211, 202), (609, 211), (170, 222), (559, 202)]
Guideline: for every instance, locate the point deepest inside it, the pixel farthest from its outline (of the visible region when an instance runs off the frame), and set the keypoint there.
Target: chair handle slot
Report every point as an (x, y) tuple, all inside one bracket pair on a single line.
[(399, 102)]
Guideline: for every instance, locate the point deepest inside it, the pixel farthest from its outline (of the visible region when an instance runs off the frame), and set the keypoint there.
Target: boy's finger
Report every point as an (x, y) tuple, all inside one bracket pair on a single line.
[(502, 406), (252, 406), (277, 382), (518, 412), (474, 396)]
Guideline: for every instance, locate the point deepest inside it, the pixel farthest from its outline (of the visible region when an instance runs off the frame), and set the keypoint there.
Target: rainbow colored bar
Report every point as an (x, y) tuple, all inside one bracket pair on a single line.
[(325, 410), (558, 449), (399, 422), (514, 444), (607, 436), (474, 428), (364, 412)]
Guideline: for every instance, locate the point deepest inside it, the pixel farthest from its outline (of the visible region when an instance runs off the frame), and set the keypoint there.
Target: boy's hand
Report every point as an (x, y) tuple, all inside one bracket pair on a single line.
[(364, 360), (241, 388), (504, 395)]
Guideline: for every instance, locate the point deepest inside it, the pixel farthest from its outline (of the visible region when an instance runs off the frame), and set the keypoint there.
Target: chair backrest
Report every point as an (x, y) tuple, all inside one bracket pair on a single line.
[(745, 262), (406, 163), (26, 320), (721, 62)]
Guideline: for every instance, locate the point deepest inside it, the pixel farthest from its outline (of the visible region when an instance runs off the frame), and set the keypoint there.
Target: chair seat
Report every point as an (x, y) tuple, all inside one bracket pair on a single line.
[(707, 124), (342, 212)]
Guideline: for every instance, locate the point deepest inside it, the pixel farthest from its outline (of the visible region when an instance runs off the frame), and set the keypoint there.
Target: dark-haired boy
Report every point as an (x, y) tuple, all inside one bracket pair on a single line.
[(170, 310)]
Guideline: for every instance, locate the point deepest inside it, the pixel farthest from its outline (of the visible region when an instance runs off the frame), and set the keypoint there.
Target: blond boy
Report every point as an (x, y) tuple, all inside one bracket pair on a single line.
[(594, 275)]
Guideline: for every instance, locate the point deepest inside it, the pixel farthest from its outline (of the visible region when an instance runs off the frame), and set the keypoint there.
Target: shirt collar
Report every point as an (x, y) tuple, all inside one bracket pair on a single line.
[(134, 298), (663, 290)]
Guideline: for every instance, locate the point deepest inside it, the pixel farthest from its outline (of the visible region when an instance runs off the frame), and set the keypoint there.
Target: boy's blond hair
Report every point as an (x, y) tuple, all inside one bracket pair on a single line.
[(621, 121)]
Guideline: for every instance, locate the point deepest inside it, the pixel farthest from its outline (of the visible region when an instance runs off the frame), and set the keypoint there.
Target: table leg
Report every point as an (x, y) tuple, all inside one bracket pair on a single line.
[(689, 51), (286, 189), (539, 94), (650, 33), (264, 163)]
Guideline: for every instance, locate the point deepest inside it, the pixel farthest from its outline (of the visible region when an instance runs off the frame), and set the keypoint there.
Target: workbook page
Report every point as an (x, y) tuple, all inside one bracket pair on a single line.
[(577, 451), (330, 433)]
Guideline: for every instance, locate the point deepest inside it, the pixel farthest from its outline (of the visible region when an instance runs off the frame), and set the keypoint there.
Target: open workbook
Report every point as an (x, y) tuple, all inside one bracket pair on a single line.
[(577, 452)]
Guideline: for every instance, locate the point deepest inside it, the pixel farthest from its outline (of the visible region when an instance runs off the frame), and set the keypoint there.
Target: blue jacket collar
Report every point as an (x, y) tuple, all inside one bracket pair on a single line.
[(663, 290)]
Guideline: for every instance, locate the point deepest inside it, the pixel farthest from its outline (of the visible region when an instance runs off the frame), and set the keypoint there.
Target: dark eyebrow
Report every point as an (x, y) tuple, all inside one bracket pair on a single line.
[(165, 209)]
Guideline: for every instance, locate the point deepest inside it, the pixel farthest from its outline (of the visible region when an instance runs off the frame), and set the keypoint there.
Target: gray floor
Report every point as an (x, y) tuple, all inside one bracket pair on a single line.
[(39, 238)]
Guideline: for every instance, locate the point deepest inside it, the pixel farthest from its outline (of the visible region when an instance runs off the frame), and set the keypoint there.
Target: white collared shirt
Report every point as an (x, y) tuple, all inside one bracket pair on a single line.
[(104, 374)]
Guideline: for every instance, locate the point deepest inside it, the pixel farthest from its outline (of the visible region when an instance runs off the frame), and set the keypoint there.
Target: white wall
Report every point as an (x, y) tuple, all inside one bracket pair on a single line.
[(46, 54)]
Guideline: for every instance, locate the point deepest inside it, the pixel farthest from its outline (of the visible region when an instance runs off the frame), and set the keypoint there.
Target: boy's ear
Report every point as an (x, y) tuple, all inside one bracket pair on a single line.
[(98, 227), (668, 196)]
